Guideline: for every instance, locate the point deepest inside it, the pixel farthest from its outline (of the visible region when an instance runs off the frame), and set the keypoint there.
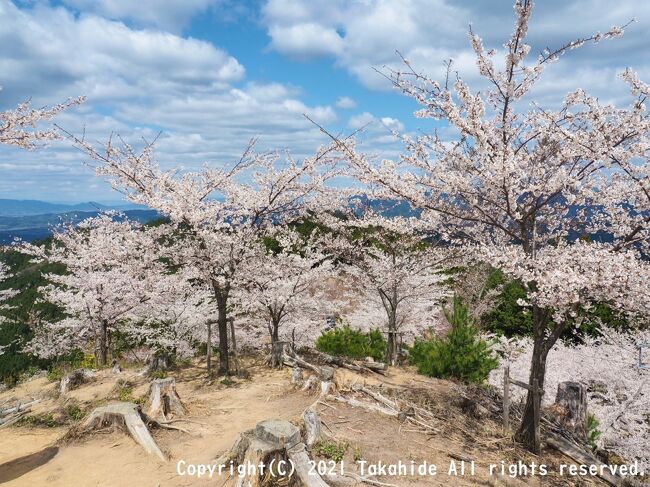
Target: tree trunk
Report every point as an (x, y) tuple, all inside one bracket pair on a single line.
[(208, 348), (103, 345), (528, 432), (222, 321), (274, 329), (392, 350), (233, 345)]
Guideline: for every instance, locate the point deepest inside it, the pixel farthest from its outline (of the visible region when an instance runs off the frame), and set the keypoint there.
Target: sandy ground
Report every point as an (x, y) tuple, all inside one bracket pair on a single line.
[(32, 456)]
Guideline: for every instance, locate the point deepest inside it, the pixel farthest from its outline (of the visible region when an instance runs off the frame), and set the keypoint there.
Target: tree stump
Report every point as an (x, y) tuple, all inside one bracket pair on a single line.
[(571, 400), (312, 426), (296, 375), (75, 378), (124, 415), (164, 401), (273, 437), (116, 368), (158, 362)]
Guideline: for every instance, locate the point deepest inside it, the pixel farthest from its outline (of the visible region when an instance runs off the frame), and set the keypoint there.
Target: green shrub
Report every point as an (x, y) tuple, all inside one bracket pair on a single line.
[(55, 373), (74, 412), (330, 449), (46, 420), (462, 354), (593, 431), (348, 342), (159, 374)]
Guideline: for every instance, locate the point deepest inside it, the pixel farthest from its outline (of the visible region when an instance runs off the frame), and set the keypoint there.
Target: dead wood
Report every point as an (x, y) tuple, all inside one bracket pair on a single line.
[(125, 416), (76, 378), (164, 401)]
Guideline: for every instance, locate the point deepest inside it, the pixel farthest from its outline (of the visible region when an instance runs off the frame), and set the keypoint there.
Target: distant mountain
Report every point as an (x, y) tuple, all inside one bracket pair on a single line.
[(19, 208), (36, 227)]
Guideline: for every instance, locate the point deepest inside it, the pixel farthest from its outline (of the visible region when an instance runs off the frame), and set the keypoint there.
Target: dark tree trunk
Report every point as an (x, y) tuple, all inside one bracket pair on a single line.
[(528, 432), (208, 348), (392, 345), (222, 321), (103, 344), (274, 329)]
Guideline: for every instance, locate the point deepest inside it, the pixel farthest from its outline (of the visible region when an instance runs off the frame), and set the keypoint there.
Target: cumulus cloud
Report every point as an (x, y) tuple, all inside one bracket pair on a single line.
[(171, 15), (428, 32), (139, 82), (345, 103)]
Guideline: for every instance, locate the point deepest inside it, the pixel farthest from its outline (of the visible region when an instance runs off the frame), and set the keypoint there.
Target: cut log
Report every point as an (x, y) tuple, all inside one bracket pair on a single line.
[(571, 403), (164, 400), (124, 415), (582, 457), (75, 378), (366, 366)]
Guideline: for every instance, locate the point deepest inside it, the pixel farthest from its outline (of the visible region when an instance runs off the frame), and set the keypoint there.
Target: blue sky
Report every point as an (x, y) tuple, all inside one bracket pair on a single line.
[(210, 74)]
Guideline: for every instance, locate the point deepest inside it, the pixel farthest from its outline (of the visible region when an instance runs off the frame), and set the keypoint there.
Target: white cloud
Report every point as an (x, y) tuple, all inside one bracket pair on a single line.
[(427, 32), (307, 40), (345, 103), (170, 15), (138, 82)]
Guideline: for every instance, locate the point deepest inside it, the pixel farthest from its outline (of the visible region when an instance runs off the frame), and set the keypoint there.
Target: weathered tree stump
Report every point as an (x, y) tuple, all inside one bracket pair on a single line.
[(158, 362), (124, 415), (296, 375), (116, 368), (75, 378), (271, 437), (164, 401), (312, 424), (571, 401)]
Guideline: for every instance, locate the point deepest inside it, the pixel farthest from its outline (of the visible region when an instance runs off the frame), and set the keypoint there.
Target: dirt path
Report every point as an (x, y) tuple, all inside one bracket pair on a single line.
[(32, 456)]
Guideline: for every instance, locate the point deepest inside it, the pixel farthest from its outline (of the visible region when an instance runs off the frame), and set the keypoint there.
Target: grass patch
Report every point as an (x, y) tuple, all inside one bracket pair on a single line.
[(43, 420), (331, 449)]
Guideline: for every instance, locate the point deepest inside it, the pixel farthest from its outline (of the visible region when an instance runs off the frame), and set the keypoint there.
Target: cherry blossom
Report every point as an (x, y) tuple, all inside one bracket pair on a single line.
[(557, 198), (18, 126)]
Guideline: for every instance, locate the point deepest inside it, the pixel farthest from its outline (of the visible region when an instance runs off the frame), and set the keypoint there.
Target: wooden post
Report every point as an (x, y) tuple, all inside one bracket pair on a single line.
[(536, 403), (506, 398)]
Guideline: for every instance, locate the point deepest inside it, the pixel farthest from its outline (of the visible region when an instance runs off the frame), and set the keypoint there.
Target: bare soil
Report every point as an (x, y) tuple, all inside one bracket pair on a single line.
[(36, 456)]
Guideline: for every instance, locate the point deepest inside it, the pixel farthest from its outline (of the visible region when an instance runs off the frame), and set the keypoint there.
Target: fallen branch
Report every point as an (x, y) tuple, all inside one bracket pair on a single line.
[(567, 448)]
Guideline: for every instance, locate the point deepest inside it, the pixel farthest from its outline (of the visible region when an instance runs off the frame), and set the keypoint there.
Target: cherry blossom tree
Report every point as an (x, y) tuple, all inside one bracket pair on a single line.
[(395, 268), (617, 388), (175, 318), (18, 126), (522, 182), (285, 285), (108, 264), (218, 215)]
